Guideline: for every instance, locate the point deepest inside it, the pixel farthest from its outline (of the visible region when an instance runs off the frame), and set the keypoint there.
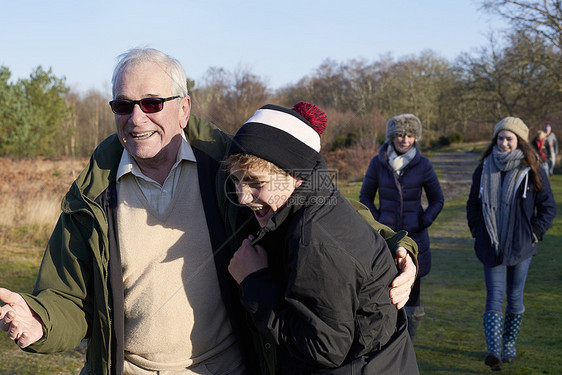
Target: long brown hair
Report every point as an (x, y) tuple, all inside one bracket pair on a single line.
[(531, 157)]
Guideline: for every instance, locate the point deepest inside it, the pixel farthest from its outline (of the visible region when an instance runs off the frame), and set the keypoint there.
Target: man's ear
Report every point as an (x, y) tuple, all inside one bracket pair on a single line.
[(185, 111), (298, 183)]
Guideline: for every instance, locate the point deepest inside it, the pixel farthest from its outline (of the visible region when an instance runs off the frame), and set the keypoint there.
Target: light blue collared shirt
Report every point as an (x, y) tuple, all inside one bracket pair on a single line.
[(159, 196)]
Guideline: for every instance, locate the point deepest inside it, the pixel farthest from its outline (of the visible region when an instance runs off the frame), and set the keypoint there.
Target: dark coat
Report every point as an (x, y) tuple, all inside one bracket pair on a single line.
[(400, 205), (533, 215), (323, 304)]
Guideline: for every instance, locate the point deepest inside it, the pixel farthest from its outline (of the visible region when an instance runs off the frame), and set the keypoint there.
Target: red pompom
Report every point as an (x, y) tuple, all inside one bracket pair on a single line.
[(314, 115)]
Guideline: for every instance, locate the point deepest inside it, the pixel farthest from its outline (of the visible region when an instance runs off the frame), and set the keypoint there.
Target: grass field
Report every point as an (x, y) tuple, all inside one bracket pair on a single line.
[(450, 338)]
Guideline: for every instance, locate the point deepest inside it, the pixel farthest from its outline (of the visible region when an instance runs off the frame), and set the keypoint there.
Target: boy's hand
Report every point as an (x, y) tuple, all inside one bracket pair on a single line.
[(402, 285), (246, 260)]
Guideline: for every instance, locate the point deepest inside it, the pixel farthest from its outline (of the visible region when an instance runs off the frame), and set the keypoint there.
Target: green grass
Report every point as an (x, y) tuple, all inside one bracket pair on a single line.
[(18, 270), (477, 147), (450, 338), (350, 189)]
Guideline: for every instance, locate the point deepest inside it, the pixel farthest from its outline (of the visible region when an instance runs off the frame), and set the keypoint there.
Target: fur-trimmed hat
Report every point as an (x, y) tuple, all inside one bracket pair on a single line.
[(288, 138), (405, 123), (514, 125)]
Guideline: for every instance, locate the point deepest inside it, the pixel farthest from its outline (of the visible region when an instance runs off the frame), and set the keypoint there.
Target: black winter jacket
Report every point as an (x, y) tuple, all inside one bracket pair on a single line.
[(323, 304)]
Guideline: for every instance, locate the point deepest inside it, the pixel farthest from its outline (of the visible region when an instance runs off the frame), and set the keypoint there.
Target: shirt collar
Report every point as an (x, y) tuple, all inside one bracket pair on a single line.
[(129, 165)]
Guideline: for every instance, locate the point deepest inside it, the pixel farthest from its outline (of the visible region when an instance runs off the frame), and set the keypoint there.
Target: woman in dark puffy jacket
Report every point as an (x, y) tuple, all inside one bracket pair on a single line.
[(399, 173), (509, 209)]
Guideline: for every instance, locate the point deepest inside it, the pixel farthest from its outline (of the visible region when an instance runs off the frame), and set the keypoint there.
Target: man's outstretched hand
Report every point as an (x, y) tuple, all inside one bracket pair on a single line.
[(17, 319)]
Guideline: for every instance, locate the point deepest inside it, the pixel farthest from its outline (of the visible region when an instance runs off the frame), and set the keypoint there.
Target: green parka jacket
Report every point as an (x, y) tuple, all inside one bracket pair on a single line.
[(74, 295)]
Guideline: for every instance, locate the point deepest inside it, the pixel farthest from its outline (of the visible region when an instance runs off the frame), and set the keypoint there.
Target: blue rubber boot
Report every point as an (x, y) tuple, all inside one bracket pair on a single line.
[(511, 327), (492, 328)]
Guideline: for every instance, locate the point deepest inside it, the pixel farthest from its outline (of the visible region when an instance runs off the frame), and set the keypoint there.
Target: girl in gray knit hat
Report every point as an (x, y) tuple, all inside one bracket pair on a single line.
[(509, 209), (399, 173)]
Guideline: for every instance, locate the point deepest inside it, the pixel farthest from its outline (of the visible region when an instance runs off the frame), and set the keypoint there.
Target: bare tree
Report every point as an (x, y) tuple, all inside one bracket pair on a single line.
[(229, 99), (94, 121), (543, 18), (509, 81)]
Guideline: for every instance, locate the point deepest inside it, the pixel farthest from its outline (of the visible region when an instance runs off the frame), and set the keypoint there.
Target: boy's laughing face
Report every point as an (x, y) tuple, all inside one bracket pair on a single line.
[(263, 191)]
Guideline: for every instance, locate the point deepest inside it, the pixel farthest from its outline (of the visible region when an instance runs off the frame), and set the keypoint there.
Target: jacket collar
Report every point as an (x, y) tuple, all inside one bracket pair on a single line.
[(383, 155)]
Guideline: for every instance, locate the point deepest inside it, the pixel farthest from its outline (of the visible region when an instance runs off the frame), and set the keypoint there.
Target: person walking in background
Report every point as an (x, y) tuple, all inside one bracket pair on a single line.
[(551, 145), (400, 173), (540, 147), (509, 209), (315, 278)]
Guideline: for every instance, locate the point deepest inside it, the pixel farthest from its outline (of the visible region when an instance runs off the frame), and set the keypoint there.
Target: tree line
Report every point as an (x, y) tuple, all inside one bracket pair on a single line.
[(518, 73)]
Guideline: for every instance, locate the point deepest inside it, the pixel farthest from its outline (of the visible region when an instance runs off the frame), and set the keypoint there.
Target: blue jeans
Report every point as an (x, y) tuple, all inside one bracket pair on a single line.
[(508, 280), (546, 167), (551, 163)]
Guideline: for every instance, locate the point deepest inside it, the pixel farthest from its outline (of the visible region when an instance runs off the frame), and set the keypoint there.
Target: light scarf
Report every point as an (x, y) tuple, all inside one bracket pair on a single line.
[(398, 162), (497, 193)]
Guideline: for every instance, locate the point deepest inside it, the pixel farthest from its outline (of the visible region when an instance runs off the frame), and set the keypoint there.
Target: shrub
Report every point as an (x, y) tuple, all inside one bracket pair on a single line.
[(456, 137), (444, 141), (345, 140)]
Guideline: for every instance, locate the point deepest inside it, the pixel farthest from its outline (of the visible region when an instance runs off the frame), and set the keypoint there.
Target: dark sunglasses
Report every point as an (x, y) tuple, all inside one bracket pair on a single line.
[(147, 105)]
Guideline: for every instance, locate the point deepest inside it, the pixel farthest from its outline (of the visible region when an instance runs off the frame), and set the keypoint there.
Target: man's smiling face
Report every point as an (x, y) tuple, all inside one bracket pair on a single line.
[(150, 137)]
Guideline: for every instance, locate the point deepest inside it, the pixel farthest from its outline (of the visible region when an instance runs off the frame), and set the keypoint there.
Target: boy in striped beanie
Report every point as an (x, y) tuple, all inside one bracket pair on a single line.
[(316, 278)]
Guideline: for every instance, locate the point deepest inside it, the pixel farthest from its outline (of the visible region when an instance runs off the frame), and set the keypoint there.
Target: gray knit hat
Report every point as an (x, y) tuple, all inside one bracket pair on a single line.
[(405, 123), (514, 125)]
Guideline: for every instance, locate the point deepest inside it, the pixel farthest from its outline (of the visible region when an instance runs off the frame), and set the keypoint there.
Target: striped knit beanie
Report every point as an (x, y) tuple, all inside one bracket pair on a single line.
[(288, 138)]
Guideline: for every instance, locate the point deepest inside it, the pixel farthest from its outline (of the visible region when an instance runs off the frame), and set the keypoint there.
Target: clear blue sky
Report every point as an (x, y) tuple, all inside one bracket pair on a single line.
[(280, 41)]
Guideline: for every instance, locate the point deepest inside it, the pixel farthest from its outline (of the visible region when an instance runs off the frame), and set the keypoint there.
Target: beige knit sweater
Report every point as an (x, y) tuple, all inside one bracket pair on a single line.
[(174, 315)]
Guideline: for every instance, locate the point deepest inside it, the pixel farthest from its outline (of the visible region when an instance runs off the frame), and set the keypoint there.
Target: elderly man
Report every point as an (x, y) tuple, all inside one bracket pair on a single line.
[(137, 262)]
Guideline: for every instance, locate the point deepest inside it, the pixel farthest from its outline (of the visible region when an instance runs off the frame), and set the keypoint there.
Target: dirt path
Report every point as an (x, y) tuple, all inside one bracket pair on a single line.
[(455, 176), (455, 172)]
